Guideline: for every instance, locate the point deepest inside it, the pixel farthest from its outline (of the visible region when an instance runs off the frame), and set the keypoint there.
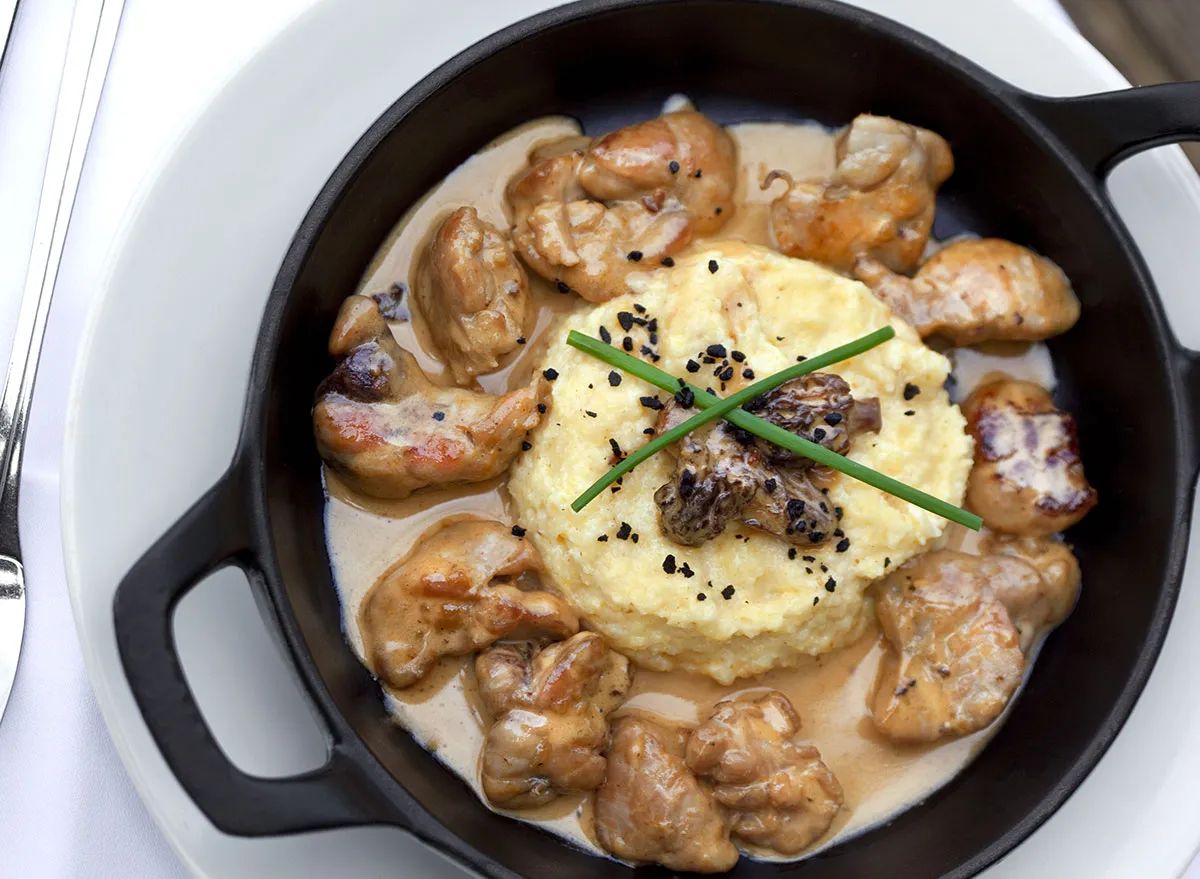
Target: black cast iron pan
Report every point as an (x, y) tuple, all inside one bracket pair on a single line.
[(1029, 169)]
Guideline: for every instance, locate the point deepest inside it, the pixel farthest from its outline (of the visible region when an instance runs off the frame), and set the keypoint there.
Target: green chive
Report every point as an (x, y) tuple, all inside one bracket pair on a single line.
[(715, 407), (711, 412)]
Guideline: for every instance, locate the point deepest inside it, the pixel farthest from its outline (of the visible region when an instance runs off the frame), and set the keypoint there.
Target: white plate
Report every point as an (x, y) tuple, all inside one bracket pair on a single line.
[(160, 380)]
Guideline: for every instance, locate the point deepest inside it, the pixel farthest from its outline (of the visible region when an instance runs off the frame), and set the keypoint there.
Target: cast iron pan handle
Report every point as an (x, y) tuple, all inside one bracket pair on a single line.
[(1101, 130), (212, 534)]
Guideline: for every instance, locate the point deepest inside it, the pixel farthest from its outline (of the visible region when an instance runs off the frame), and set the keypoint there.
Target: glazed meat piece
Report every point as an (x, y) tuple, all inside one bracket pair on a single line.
[(473, 295), (683, 157), (1034, 603), (456, 592), (818, 407), (386, 430), (551, 710), (979, 290), (582, 244), (955, 657), (779, 793), (879, 202), (1028, 477), (652, 808), (588, 213), (723, 473)]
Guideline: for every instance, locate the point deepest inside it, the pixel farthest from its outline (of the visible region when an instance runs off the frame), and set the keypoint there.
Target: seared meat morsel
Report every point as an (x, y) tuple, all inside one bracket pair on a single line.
[(979, 290), (588, 213), (551, 708), (779, 792), (879, 202), (473, 295), (1035, 603), (955, 657), (456, 592), (682, 156), (652, 808), (723, 473), (387, 431), (1028, 476)]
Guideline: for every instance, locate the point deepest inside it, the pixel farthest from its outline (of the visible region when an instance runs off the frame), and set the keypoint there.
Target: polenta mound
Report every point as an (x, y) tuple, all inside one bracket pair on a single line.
[(746, 601)]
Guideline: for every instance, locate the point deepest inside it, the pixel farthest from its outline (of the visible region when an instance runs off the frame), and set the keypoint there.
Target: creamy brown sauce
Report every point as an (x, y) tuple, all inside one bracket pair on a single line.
[(830, 694), (1026, 361), (366, 536)]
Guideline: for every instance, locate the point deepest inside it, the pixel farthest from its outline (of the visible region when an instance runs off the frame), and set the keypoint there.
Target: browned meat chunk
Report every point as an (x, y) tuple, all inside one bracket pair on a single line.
[(1035, 603), (979, 290), (387, 431), (879, 202), (588, 213), (723, 473), (955, 657), (652, 808), (473, 295), (456, 592), (551, 710), (779, 792), (682, 156), (1028, 477)]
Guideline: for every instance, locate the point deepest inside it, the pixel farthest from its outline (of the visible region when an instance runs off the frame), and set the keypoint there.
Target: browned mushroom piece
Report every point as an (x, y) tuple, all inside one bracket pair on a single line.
[(979, 290), (387, 430), (879, 202), (652, 808), (793, 506), (818, 407), (586, 214), (1028, 477), (955, 656), (458, 590), (715, 479), (551, 708), (1036, 604), (718, 478), (724, 474), (778, 790), (473, 295)]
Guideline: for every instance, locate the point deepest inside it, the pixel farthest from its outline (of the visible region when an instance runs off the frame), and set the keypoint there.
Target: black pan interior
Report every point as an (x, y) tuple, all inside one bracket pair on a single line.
[(765, 61)]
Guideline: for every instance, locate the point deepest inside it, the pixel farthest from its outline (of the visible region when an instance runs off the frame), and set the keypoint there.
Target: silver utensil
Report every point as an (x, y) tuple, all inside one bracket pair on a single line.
[(93, 34), (8, 11)]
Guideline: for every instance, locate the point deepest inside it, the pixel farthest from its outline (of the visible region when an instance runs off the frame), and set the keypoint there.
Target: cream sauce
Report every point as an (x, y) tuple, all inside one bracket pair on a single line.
[(1026, 361), (366, 536), (831, 694)]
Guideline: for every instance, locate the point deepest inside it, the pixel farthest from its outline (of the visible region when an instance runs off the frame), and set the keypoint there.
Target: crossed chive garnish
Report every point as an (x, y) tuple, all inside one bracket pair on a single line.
[(729, 408)]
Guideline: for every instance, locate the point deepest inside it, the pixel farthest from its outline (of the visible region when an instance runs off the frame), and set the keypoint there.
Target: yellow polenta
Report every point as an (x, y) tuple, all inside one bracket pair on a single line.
[(771, 308)]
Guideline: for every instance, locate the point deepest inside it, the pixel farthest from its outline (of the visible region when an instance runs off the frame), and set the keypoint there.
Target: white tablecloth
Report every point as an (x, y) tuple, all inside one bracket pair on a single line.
[(67, 808)]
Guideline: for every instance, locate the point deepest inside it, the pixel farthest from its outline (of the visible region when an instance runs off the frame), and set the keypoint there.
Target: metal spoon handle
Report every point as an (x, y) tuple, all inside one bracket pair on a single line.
[(8, 13), (93, 34)]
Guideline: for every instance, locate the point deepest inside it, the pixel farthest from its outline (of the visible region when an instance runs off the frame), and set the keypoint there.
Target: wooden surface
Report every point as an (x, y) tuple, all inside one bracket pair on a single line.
[(1148, 40)]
